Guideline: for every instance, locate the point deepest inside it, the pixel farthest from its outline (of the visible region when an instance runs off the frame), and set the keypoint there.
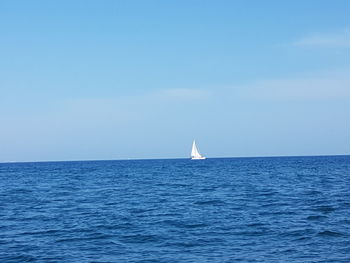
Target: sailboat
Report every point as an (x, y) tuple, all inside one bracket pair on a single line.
[(195, 155)]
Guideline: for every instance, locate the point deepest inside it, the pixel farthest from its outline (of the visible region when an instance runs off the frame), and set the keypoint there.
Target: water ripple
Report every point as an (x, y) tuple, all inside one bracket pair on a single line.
[(293, 209)]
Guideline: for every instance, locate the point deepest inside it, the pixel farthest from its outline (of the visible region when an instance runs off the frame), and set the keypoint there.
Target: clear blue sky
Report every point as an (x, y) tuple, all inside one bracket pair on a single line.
[(142, 79)]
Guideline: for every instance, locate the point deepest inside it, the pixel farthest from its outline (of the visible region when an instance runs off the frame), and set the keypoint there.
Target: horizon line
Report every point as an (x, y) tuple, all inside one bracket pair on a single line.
[(171, 158)]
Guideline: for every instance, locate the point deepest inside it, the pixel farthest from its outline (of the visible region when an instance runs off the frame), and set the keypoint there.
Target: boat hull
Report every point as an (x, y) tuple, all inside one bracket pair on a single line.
[(198, 158)]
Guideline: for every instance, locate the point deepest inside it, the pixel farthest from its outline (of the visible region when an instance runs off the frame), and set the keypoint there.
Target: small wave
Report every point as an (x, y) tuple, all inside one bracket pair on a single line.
[(313, 193), (140, 238), (199, 225), (183, 244), (209, 202), (73, 239), (251, 233), (316, 217), (303, 238), (181, 224), (140, 210), (24, 258), (330, 233), (276, 213), (208, 189), (345, 221), (325, 208), (297, 233), (43, 232), (255, 224), (267, 193)]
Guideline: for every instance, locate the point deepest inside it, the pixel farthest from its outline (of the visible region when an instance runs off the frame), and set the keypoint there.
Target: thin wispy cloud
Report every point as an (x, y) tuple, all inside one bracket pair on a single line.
[(324, 86), (159, 96), (340, 39), (132, 108), (181, 94)]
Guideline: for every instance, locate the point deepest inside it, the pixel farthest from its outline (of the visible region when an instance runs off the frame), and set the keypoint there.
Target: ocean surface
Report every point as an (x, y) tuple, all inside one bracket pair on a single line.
[(285, 209)]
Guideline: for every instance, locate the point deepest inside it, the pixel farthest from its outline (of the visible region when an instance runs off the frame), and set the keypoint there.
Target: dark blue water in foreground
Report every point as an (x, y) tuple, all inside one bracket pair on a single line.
[(294, 209)]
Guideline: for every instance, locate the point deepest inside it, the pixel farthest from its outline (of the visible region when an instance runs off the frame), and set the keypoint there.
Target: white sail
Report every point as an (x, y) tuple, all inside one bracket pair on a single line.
[(195, 155)]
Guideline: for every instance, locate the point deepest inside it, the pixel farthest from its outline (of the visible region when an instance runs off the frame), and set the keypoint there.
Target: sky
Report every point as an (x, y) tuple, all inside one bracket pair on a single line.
[(97, 80)]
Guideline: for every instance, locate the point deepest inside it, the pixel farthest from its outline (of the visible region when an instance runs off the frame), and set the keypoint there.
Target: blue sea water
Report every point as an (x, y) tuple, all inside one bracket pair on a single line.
[(286, 209)]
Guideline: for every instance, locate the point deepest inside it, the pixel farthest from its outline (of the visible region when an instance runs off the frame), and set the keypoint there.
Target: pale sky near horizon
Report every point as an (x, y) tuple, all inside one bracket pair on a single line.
[(141, 79)]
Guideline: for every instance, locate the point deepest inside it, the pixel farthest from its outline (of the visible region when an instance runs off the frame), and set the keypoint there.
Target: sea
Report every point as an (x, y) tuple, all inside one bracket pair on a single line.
[(277, 209)]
